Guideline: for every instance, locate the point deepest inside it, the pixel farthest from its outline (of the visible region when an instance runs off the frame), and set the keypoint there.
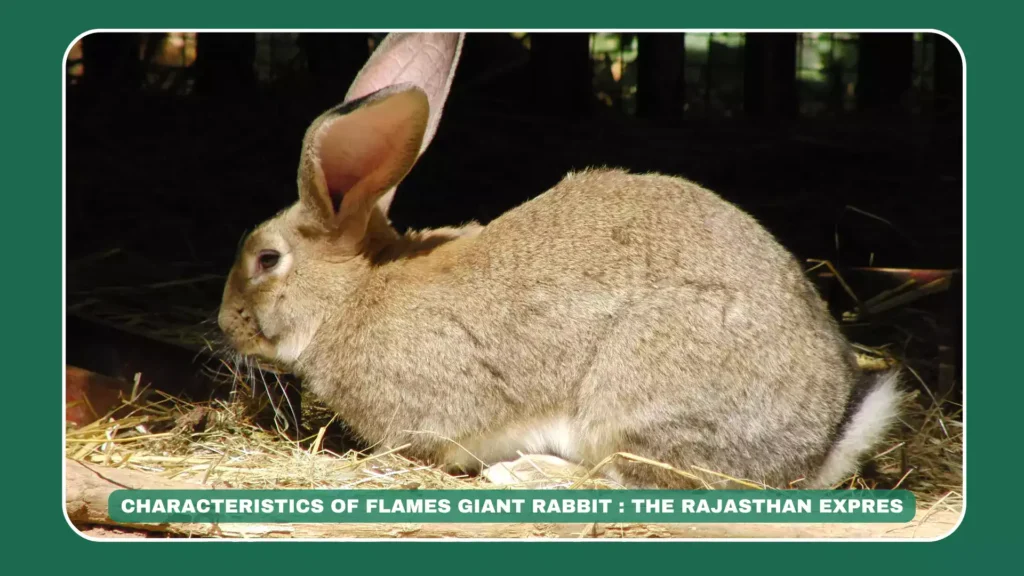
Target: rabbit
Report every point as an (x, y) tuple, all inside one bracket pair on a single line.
[(614, 313)]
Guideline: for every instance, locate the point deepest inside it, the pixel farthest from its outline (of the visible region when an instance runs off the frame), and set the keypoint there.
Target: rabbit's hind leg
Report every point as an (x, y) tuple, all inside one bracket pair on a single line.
[(639, 465)]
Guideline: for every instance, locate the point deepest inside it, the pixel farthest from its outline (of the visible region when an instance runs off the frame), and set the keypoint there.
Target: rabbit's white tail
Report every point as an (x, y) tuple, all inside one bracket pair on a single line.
[(874, 412)]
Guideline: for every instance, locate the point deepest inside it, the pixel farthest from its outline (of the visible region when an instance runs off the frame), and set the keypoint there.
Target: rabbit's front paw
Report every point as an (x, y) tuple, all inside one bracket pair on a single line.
[(534, 471)]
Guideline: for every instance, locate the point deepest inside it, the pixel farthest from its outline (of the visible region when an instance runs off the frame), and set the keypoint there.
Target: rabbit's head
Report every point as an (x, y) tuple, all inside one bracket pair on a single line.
[(293, 268)]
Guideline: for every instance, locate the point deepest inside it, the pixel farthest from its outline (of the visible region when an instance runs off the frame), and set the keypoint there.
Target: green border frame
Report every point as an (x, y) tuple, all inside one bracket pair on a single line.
[(35, 45)]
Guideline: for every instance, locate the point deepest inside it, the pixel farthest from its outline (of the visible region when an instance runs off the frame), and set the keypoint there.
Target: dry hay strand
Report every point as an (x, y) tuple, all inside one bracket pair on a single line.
[(217, 444)]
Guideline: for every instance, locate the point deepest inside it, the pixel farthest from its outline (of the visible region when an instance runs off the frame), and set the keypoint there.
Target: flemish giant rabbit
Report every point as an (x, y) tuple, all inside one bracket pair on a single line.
[(616, 312)]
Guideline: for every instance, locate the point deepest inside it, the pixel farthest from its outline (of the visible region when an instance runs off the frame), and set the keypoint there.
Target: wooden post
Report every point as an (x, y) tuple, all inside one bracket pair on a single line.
[(660, 89), (112, 64), (561, 68), (885, 72), (769, 80), (949, 83), (88, 489), (224, 63)]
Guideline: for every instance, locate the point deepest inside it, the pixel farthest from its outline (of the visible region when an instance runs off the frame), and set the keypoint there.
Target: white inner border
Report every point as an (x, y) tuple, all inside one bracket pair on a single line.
[(963, 359)]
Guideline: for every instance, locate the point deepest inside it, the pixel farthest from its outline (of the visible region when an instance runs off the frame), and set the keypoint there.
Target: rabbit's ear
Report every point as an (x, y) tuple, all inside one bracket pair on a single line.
[(354, 154), (425, 60)]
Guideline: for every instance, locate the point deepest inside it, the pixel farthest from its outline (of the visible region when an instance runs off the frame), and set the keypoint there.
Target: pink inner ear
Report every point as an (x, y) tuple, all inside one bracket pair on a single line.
[(338, 180), (370, 149), (349, 153)]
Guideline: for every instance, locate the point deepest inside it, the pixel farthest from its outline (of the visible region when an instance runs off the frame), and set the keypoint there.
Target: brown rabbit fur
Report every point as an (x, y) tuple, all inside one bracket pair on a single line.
[(616, 312)]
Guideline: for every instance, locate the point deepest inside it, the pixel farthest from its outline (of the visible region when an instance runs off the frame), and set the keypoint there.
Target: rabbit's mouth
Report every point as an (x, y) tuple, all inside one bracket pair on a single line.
[(244, 334), (247, 338), (254, 345)]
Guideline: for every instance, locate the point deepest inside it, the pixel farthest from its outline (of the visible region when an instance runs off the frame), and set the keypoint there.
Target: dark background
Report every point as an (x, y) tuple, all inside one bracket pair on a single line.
[(848, 147)]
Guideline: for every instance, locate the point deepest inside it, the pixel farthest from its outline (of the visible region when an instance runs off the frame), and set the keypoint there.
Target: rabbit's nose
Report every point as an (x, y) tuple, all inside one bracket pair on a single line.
[(225, 318)]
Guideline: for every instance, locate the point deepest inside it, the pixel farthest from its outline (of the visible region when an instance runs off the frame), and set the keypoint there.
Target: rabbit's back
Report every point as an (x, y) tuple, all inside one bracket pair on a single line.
[(693, 335), (643, 228)]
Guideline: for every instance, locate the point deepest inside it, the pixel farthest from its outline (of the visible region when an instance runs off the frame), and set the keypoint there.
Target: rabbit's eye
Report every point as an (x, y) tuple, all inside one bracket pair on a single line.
[(268, 259)]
